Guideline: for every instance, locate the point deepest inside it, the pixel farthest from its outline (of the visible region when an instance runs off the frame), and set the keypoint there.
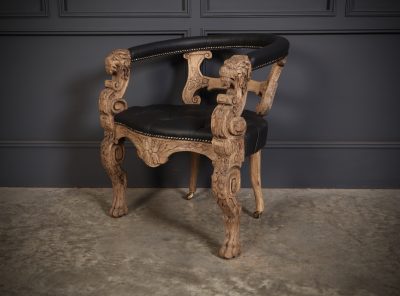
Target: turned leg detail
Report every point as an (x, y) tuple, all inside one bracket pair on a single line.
[(225, 185), (255, 176), (194, 168), (112, 156)]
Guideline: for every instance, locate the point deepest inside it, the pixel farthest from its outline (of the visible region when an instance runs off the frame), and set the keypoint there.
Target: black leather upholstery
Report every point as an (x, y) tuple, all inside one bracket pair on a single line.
[(191, 122), (269, 48)]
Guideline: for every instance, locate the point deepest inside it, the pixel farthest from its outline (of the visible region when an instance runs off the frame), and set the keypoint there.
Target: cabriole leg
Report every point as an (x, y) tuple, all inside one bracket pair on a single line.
[(225, 185), (255, 176), (112, 156), (194, 167)]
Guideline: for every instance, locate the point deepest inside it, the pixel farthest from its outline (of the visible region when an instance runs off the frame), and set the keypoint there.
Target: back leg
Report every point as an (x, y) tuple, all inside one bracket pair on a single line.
[(194, 168), (255, 176)]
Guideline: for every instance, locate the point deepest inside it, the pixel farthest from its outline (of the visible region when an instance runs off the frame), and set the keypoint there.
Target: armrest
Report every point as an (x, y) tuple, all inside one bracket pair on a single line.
[(267, 89), (228, 128), (227, 125), (111, 101)]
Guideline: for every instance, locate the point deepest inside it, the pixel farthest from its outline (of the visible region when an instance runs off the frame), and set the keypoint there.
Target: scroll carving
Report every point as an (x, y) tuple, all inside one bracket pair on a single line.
[(155, 151), (195, 80), (228, 129), (111, 102)]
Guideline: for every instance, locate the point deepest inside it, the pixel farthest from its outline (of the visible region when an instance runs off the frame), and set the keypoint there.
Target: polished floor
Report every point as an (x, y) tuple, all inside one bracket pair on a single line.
[(308, 242)]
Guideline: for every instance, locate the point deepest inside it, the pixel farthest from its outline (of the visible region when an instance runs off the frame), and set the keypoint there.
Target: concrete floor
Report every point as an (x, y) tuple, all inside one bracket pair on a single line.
[(309, 242)]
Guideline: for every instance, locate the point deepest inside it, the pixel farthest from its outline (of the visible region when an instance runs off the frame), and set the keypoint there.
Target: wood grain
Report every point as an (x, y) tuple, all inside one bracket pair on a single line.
[(255, 177), (111, 102)]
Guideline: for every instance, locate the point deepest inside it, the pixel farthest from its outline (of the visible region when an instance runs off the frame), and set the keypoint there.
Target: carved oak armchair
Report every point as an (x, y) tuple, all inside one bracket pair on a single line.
[(224, 132)]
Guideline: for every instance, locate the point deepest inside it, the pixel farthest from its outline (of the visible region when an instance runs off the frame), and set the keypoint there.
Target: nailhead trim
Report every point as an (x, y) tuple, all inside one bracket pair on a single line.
[(268, 63), (163, 137), (192, 49), (205, 48)]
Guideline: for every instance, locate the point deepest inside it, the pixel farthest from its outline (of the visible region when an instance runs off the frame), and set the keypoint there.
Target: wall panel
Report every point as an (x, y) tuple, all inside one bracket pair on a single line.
[(255, 8), (373, 8), (334, 122), (124, 8), (22, 8), (60, 102)]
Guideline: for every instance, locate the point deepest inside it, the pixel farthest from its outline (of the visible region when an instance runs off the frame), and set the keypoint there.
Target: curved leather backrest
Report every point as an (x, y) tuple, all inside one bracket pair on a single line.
[(268, 47)]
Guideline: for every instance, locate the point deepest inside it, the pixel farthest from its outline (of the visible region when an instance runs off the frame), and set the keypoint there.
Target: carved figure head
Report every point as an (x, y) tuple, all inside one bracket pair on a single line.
[(236, 67), (117, 58)]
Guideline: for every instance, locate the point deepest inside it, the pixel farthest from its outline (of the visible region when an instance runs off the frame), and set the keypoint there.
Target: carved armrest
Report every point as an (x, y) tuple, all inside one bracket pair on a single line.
[(111, 102), (227, 125)]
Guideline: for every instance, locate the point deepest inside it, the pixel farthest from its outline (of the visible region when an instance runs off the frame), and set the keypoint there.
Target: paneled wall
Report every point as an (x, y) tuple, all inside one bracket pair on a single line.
[(335, 121)]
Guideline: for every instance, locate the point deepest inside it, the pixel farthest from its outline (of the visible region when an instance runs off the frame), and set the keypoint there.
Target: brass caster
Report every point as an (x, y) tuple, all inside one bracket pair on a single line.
[(257, 214), (190, 195)]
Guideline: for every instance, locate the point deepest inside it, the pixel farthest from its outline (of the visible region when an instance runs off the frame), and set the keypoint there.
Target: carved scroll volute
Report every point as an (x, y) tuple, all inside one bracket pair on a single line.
[(111, 101), (268, 88), (195, 80)]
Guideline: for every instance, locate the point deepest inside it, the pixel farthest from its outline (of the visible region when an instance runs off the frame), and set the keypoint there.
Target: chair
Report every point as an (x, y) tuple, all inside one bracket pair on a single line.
[(224, 132)]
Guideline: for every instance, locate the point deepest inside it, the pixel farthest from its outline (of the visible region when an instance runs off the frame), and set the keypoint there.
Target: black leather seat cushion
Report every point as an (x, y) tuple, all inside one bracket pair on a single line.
[(191, 122)]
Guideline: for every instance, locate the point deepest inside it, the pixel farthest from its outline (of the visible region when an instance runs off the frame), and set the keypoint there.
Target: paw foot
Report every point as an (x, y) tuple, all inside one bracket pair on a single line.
[(118, 211), (229, 251)]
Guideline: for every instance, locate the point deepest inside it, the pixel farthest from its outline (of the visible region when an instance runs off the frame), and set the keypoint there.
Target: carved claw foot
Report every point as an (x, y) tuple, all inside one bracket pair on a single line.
[(119, 207), (257, 214), (229, 250), (118, 210), (225, 186), (231, 246), (189, 196)]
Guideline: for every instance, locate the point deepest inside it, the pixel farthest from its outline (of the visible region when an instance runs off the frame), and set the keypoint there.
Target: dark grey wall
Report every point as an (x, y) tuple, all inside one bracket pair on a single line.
[(334, 123)]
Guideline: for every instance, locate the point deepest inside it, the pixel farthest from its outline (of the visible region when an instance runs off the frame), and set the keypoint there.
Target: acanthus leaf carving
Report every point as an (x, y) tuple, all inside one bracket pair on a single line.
[(155, 151)]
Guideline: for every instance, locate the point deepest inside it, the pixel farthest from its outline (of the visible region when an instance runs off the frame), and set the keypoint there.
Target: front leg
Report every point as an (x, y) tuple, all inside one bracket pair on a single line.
[(112, 156), (111, 102), (225, 185), (228, 129)]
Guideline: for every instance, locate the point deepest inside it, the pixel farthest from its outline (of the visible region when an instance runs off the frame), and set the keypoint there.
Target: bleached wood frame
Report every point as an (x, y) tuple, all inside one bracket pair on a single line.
[(226, 150)]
